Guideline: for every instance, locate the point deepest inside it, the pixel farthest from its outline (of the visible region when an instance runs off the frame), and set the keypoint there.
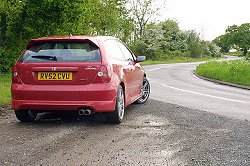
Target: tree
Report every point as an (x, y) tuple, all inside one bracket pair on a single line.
[(8, 12), (174, 38), (223, 42), (195, 46), (214, 49), (238, 37), (150, 43), (22, 20), (106, 17), (46, 18), (142, 12), (3, 22)]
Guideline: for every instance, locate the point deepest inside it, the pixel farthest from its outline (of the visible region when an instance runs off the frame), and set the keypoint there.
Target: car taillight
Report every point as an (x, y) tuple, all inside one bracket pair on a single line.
[(103, 75), (15, 76)]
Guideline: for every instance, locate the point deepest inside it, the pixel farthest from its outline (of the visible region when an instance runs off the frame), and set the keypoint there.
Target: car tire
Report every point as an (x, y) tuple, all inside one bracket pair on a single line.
[(117, 116), (145, 92), (26, 115)]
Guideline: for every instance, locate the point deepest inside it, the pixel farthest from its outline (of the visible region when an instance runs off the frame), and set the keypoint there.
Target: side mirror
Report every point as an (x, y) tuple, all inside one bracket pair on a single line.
[(140, 59)]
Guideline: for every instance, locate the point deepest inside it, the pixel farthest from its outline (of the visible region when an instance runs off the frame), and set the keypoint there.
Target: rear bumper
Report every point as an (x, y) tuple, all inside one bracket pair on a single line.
[(98, 97), (96, 106)]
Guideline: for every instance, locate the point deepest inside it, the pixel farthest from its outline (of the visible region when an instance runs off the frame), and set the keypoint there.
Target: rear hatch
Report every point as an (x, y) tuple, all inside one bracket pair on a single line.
[(59, 62)]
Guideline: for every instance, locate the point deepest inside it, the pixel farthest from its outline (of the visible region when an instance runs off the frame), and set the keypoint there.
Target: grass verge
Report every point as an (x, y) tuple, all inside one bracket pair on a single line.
[(176, 60), (236, 72), (5, 83)]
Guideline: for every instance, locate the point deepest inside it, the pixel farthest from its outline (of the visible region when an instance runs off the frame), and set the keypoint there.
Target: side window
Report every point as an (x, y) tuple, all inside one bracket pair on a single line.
[(114, 50), (128, 55)]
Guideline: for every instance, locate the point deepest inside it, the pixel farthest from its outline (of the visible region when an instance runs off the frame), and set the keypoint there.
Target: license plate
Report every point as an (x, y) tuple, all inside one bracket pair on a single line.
[(48, 76)]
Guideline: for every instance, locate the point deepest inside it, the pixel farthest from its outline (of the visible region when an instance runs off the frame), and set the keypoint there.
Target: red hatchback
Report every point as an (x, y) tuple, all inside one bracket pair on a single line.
[(84, 73)]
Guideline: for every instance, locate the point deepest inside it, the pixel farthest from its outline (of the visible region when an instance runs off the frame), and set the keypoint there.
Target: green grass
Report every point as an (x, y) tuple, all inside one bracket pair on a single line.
[(236, 72), (176, 60), (5, 83)]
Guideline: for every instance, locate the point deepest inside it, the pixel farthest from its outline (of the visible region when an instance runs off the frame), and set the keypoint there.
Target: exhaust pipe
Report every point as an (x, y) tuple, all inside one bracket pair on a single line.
[(81, 112), (85, 112)]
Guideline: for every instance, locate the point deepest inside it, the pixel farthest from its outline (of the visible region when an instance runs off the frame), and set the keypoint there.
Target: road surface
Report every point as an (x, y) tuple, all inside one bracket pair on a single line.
[(187, 121), (176, 83)]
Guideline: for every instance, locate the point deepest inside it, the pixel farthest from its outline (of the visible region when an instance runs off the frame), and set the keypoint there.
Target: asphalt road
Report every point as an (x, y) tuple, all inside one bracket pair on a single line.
[(187, 121), (176, 83)]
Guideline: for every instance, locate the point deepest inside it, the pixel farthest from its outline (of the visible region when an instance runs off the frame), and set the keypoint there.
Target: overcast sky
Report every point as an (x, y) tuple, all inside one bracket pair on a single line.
[(208, 17)]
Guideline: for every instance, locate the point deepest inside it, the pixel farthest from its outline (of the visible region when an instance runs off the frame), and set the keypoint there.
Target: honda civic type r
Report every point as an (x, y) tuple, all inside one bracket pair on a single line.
[(87, 74)]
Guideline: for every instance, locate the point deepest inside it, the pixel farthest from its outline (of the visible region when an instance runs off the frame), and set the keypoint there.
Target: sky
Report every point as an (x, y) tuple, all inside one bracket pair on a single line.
[(210, 18)]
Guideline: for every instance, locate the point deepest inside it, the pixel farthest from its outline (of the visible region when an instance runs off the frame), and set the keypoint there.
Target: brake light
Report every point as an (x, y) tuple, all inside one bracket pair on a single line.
[(15, 76), (103, 75)]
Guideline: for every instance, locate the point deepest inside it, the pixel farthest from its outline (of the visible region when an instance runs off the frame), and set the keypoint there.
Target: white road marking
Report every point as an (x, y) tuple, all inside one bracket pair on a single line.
[(197, 93), (155, 69), (158, 68), (177, 64)]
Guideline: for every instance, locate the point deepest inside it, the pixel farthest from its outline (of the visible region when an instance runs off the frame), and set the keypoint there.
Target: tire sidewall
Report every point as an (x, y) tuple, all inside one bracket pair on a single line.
[(120, 89)]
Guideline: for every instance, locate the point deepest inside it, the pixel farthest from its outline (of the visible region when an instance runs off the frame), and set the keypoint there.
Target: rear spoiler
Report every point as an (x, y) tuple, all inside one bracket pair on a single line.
[(34, 42)]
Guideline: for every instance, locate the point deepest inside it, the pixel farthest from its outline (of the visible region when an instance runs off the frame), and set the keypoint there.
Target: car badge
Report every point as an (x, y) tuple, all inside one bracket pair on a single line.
[(53, 68)]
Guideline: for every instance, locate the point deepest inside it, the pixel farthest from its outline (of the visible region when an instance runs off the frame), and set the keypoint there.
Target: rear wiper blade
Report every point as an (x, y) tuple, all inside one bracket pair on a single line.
[(47, 57)]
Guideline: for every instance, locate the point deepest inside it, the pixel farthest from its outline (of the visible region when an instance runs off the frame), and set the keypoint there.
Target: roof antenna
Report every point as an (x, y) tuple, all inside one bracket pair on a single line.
[(70, 35)]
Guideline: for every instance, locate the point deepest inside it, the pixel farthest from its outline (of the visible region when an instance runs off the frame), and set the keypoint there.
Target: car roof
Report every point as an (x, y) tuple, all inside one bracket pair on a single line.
[(93, 39), (75, 37)]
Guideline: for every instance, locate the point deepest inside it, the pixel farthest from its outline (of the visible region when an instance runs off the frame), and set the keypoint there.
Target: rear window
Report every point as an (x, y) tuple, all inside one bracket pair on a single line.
[(65, 51)]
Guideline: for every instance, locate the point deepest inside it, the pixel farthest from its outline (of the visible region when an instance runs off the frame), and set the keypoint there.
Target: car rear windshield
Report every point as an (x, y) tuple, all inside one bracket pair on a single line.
[(63, 51)]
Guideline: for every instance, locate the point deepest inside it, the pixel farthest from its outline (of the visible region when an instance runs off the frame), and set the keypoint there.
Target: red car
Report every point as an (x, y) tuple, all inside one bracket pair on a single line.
[(87, 74)]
